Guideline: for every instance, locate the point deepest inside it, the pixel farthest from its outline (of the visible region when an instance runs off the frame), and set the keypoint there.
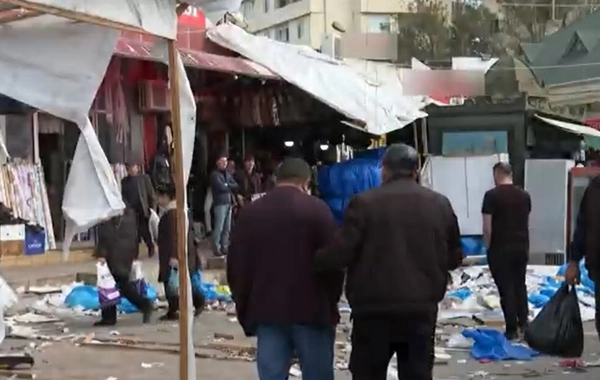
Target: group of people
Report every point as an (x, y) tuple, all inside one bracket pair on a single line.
[(119, 238)]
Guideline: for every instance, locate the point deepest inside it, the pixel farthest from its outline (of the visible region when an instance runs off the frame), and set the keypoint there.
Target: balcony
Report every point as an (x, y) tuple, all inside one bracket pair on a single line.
[(372, 46), (292, 10)]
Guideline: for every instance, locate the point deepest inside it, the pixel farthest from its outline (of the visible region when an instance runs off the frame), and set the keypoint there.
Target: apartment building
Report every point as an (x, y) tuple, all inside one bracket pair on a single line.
[(367, 26)]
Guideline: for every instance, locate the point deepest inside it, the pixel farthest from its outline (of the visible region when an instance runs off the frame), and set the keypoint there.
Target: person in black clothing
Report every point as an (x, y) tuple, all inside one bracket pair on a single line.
[(118, 248), (398, 243), (586, 241), (167, 253), (137, 191), (506, 210), (249, 180)]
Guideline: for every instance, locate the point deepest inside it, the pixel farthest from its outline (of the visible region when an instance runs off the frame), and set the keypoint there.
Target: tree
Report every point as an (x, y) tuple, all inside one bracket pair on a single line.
[(434, 32)]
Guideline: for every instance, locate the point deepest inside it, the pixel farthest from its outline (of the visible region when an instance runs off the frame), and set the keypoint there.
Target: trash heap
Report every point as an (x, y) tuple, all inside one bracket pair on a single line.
[(473, 293)]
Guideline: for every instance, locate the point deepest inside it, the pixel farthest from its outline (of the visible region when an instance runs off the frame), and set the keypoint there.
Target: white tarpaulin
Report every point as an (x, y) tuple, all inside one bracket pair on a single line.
[(58, 68), (57, 65), (153, 16), (330, 81)]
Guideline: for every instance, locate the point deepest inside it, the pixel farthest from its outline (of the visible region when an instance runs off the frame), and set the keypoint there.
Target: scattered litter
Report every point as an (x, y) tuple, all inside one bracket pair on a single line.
[(41, 290), (152, 365)]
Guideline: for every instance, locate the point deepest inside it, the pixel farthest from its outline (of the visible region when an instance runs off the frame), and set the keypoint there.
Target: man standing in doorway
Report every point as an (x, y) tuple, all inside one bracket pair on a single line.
[(506, 210), (223, 188), (586, 241), (278, 297), (398, 243), (138, 192)]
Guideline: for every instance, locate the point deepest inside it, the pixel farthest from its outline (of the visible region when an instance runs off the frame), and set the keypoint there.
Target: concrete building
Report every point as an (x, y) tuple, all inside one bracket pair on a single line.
[(369, 25)]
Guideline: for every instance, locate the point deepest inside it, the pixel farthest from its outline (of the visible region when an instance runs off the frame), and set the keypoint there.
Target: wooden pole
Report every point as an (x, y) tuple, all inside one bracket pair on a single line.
[(178, 178)]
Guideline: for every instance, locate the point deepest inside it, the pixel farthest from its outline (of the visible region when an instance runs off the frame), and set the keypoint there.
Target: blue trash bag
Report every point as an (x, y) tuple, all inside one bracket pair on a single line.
[(86, 297), (471, 246), (538, 300), (490, 344), (461, 293), (197, 282), (173, 282), (146, 289), (210, 293)]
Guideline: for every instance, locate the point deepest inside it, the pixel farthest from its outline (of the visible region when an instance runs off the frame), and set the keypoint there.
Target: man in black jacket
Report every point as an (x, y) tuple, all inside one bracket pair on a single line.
[(270, 272), (118, 248), (398, 243), (138, 192), (586, 241), (223, 188)]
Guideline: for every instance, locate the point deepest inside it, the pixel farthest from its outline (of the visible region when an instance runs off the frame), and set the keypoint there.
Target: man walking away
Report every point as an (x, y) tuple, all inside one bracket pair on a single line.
[(223, 188), (138, 192), (270, 273), (505, 212), (398, 243), (167, 253), (586, 241), (118, 248)]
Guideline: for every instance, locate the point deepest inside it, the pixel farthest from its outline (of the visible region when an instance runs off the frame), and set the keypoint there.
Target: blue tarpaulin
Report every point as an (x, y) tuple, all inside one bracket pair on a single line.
[(339, 182), (490, 344)]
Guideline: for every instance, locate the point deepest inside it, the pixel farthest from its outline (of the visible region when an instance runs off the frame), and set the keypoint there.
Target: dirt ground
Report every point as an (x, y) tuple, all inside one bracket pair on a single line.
[(67, 360)]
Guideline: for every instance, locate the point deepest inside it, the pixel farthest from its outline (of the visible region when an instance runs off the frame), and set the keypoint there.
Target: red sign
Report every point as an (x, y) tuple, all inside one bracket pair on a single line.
[(594, 123), (193, 17)]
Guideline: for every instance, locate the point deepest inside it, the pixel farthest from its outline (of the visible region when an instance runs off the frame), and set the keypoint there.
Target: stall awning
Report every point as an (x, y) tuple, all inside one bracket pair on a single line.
[(197, 59), (591, 135)]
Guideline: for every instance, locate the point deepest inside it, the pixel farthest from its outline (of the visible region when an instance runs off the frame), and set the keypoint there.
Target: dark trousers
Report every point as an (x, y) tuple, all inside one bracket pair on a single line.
[(129, 291), (376, 338), (198, 299), (278, 344), (144, 231), (594, 275), (509, 273)]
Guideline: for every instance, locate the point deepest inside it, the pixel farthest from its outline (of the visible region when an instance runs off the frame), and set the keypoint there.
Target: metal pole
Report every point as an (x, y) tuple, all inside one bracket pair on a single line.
[(177, 170), (553, 10)]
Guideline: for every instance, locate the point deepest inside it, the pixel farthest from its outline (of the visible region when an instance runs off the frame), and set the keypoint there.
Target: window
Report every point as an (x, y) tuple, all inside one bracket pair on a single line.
[(283, 3), (266, 5), (300, 29), (381, 24), (283, 34), (248, 8)]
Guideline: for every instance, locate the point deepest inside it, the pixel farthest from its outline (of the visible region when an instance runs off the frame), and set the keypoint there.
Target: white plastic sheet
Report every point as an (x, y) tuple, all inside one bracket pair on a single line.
[(57, 67), (154, 16), (330, 81)]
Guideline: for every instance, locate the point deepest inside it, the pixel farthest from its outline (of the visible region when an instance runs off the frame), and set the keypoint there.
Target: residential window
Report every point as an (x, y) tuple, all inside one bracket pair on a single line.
[(283, 3), (248, 8), (381, 24), (283, 34), (266, 6), (300, 29)]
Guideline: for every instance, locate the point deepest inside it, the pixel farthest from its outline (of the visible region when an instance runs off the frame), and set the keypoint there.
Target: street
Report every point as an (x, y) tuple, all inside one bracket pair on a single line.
[(145, 354)]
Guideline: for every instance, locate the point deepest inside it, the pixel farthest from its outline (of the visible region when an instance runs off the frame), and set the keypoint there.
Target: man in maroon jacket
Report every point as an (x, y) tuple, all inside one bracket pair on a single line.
[(279, 297)]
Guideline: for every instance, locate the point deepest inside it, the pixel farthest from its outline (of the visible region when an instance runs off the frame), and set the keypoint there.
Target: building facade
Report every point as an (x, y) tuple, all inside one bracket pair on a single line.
[(368, 25)]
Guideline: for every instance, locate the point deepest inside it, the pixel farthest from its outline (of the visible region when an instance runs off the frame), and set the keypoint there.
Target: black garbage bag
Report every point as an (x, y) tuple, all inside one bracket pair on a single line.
[(558, 330)]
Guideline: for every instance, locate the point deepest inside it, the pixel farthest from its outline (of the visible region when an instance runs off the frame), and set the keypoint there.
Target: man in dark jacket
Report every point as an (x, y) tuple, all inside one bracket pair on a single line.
[(249, 180), (138, 192), (223, 188), (586, 241), (168, 258), (398, 243), (118, 248), (270, 273)]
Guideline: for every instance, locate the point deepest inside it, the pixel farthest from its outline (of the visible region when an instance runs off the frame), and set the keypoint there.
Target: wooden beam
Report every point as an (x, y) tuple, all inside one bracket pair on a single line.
[(76, 16), (178, 178)]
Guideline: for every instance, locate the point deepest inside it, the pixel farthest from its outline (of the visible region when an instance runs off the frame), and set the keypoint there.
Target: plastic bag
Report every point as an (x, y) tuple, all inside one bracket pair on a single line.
[(173, 283), (153, 225), (136, 271), (108, 292), (558, 330)]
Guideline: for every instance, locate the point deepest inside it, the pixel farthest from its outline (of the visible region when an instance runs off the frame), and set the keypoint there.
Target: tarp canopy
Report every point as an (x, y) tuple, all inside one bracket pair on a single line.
[(366, 102), (214, 10), (56, 65), (589, 134)]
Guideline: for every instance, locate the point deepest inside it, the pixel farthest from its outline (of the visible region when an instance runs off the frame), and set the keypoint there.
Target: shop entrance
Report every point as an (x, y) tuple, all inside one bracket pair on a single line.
[(50, 158)]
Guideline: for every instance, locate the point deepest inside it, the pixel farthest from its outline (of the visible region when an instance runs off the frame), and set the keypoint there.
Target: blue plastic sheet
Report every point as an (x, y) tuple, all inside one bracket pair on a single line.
[(86, 297), (490, 344), (339, 182), (461, 293), (551, 285)]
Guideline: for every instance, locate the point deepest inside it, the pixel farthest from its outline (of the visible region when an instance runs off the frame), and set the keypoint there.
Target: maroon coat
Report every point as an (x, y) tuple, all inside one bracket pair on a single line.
[(270, 262)]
